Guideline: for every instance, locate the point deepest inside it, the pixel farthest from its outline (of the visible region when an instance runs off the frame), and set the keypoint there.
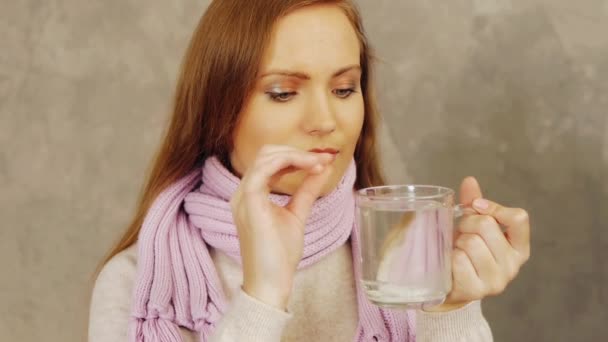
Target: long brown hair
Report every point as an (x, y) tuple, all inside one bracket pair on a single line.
[(222, 59)]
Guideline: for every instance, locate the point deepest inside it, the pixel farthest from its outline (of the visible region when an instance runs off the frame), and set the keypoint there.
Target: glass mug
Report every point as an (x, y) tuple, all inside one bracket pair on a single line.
[(406, 234)]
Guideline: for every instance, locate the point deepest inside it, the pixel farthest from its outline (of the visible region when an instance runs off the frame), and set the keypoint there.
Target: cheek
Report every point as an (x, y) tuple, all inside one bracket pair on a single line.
[(260, 124), (269, 125), (352, 121)]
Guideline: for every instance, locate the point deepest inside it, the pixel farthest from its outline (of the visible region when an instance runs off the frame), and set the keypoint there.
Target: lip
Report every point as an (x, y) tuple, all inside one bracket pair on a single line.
[(325, 150)]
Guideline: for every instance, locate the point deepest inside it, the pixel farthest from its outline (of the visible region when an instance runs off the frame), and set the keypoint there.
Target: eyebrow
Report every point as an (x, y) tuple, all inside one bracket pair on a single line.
[(307, 77)]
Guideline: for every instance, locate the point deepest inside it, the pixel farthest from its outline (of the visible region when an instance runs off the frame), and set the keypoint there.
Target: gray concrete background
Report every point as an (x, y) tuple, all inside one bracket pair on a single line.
[(513, 92)]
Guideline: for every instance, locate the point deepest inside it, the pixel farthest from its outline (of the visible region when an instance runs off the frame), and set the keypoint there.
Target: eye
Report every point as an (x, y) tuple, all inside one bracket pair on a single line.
[(281, 96), (344, 93)]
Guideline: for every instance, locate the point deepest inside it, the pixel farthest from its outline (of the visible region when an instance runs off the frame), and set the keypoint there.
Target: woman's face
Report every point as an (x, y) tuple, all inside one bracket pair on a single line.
[(307, 95)]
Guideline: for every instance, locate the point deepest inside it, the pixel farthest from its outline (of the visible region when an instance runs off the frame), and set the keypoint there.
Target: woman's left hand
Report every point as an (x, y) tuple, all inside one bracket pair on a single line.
[(486, 256)]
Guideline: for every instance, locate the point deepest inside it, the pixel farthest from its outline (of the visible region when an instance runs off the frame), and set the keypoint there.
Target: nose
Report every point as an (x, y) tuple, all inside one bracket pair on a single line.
[(321, 117)]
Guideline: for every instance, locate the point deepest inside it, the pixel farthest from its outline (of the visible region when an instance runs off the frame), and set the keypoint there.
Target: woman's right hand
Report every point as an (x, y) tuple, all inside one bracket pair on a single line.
[(272, 237)]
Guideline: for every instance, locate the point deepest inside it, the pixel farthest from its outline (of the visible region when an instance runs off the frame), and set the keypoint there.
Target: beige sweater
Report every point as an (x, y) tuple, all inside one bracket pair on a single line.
[(322, 306)]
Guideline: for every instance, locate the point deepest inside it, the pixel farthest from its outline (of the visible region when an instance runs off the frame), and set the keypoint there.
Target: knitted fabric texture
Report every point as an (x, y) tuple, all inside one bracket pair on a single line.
[(177, 284)]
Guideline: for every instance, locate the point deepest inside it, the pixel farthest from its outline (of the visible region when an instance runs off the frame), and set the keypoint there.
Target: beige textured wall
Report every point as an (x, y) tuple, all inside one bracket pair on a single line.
[(514, 92)]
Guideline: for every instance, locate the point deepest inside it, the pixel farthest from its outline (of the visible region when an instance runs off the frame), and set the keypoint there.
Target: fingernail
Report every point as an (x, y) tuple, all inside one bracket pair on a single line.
[(480, 203)]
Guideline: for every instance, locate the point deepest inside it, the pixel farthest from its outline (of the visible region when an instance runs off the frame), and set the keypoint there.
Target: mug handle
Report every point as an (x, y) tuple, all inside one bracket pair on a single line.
[(462, 209)]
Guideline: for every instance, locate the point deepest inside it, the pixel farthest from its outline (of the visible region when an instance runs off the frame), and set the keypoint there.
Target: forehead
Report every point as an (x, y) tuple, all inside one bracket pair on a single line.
[(312, 38)]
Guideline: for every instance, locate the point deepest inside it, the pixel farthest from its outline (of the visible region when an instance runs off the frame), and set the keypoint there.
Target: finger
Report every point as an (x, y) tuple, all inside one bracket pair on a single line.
[(478, 252), (515, 220), (270, 152), (268, 149), (489, 230), (317, 169), (469, 190), (302, 201), (257, 181), (269, 158), (464, 277)]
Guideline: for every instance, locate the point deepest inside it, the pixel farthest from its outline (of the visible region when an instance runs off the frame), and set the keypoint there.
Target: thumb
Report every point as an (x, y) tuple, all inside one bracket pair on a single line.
[(469, 191), (302, 200)]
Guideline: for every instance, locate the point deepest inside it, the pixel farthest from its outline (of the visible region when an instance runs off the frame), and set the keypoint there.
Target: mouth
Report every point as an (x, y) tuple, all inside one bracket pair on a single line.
[(325, 150)]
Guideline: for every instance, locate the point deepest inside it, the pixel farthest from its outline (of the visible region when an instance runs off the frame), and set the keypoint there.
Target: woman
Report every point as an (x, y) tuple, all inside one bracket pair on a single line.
[(244, 230)]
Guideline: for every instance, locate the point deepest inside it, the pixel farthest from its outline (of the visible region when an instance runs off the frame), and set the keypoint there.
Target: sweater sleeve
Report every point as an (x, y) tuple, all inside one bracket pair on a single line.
[(111, 300), (460, 325), (251, 320), (246, 320)]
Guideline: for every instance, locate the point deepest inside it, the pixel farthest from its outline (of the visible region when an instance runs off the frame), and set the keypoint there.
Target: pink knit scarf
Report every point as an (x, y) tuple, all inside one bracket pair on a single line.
[(177, 283)]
